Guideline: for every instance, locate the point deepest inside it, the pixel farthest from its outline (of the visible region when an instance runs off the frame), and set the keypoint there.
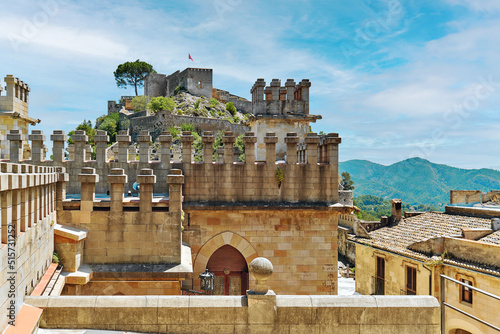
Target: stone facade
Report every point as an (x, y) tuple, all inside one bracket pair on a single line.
[(197, 81), (27, 214)]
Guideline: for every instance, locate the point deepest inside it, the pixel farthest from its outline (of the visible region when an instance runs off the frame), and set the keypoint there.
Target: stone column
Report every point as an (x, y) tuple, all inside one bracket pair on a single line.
[(117, 180), (270, 139), (228, 141), (291, 141), (333, 142), (144, 139), (236, 153), (275, 89), (305, 84), (37, 138), (262, 311), (62, 178), (88, 152), (71, 152), (80, 138), (220, 154), (58, 138), (146, 180), (16, 145), (290, 89), (123, 140), (101, 140), (249, 139), (208, 140), (11, 83), (312, 141), (187, 141), (165, 140), (175, 180), (88, 178)]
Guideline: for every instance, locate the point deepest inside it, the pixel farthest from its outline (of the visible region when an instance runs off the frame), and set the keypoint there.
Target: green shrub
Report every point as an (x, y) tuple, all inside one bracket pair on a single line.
[(161, 103), (177, 90), (197, 104), (213, 113), (140, 103), (174, 132), (231, 108), (221, 113), (187, 127), (236, 119), (213, 102)]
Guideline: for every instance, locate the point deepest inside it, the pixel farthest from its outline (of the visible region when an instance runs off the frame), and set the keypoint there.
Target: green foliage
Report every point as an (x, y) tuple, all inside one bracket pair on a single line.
[(197, 104), (236, 119), (89, 130), (178, 90), (217, 143), (241, 145), (140, 103), (213, 102), (231, 108), (245, 117), (111, 127), (174, 132), (213, 113), (347, 183), (417, 181), (56, 258), (373, 207), (187, 127), (279, 176), (221, 113), (132, 74), (180, 112), (161, 103)]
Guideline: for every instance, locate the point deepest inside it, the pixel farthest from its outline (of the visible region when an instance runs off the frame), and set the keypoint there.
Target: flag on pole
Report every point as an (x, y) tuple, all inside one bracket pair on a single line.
[(191, 58)]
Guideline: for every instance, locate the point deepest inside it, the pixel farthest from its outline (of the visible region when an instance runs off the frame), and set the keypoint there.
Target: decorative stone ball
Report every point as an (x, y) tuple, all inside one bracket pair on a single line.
[(261, 268)]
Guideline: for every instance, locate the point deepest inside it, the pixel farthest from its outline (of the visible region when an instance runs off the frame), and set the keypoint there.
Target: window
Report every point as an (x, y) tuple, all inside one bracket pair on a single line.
[(380, 276), (466, 292), (411, 280)]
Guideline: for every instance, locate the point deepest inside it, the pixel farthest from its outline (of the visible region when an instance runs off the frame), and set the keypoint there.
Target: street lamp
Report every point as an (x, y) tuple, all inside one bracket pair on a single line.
[(206, 281)]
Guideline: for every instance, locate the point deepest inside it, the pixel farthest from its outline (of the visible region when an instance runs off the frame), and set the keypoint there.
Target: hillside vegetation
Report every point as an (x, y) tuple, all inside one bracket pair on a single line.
[(417, 181)]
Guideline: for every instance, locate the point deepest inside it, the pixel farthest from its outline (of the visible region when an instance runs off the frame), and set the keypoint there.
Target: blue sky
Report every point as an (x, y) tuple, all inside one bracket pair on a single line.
[(396, 79)]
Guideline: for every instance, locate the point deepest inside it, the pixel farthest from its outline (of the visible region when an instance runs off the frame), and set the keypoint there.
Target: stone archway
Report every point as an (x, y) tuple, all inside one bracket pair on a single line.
[(216, 242)]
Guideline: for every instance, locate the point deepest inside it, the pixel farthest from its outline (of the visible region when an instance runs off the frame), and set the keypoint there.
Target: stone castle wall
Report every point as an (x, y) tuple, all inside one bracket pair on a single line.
[(197, 81), (27, 214)]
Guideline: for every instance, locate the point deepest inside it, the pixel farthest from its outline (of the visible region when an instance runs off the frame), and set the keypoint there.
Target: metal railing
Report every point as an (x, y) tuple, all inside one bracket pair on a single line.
[(445, 304)]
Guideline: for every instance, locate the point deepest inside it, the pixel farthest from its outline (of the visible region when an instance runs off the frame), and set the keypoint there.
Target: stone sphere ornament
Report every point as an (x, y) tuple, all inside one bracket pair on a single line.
[(261, 269)]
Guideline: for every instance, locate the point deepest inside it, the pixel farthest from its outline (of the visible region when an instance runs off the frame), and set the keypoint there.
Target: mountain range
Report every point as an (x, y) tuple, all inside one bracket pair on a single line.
[(416, 180)]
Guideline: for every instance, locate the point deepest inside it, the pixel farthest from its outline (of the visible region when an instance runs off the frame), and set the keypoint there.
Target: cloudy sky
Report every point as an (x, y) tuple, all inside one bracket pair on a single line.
[(395, 78)]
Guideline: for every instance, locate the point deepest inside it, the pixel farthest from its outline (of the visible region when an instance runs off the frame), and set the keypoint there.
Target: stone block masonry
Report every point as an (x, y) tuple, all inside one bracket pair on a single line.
[(27, 215)]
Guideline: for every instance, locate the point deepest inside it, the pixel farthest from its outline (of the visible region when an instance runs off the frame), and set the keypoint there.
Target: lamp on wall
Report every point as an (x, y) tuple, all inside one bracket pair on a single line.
[(206, 281)]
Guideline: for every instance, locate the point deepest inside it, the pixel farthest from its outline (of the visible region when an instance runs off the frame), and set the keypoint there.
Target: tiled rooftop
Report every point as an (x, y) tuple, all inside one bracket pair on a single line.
[(493, 238)]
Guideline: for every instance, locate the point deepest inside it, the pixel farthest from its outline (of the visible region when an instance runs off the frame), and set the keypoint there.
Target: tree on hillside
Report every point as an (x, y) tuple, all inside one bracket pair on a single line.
[(132, 74), (87, 127), (347, 183)]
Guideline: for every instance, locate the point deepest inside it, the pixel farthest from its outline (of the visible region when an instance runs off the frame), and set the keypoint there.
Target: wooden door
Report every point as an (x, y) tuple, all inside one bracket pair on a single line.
[(380, 277), (230, 270)]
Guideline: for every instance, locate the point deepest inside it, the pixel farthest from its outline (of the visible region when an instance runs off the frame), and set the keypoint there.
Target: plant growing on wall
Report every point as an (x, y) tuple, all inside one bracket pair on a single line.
[(213, 102), (279, 176), (231, 108), (140, 103)]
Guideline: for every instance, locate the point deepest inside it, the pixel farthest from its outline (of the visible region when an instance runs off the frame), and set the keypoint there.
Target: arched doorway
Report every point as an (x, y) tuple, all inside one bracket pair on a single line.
[(230, 270)]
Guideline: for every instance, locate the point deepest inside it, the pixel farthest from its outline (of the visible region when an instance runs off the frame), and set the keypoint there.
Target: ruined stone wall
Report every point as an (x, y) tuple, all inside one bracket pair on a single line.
[(300, 242), (162, 120), (346, 247), (27, 215), (197, 81)]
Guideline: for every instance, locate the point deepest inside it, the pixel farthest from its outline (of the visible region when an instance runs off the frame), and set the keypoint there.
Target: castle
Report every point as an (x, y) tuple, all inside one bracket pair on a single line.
[(127, 253)]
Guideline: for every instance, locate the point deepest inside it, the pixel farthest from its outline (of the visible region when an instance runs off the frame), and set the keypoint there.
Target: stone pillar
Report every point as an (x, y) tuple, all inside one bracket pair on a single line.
[(146, 180), (5, 211), (62, 178), (165, 140), (123, 140), (228, 141), (249, 139), (187, 141), (332, 154), (88, 152), (175, 180), (101, 140), (275, 89), (71, 152), (270, 139), (117, 180), (258, 91), (58, 138), (291, 141), (236, 153), (290, 89), (16, 145), (88, 178), (262, 311), (144, 139), (305, 84), (312, 141), (208, 140), (11, 83), (80, 138), (37, 138)]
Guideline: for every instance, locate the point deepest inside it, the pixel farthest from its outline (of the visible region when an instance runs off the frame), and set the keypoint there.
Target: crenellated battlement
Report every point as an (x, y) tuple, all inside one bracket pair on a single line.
[(309, 172)]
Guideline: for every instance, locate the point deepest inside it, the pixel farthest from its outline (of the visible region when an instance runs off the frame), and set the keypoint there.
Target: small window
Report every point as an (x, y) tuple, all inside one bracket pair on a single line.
[(200, 85), (466, 293), (411, 280)]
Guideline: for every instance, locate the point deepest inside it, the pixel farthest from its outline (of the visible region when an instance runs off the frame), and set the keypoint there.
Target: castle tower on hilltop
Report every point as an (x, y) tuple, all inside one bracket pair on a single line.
[(197, 81), (280, 109), (14, 115)]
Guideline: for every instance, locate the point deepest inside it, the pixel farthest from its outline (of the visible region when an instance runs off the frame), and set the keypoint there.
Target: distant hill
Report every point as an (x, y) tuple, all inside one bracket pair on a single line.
[(416, 180)]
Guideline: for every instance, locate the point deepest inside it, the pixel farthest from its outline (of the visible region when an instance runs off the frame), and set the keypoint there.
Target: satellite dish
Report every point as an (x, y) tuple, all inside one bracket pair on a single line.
[(136, 186)]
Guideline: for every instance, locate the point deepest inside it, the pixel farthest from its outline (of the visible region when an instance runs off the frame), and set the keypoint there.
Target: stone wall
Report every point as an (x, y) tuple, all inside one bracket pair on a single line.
[(162, 120), (346, 247), (197, 81), (27, 215), (300, 242), (248, 314)]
